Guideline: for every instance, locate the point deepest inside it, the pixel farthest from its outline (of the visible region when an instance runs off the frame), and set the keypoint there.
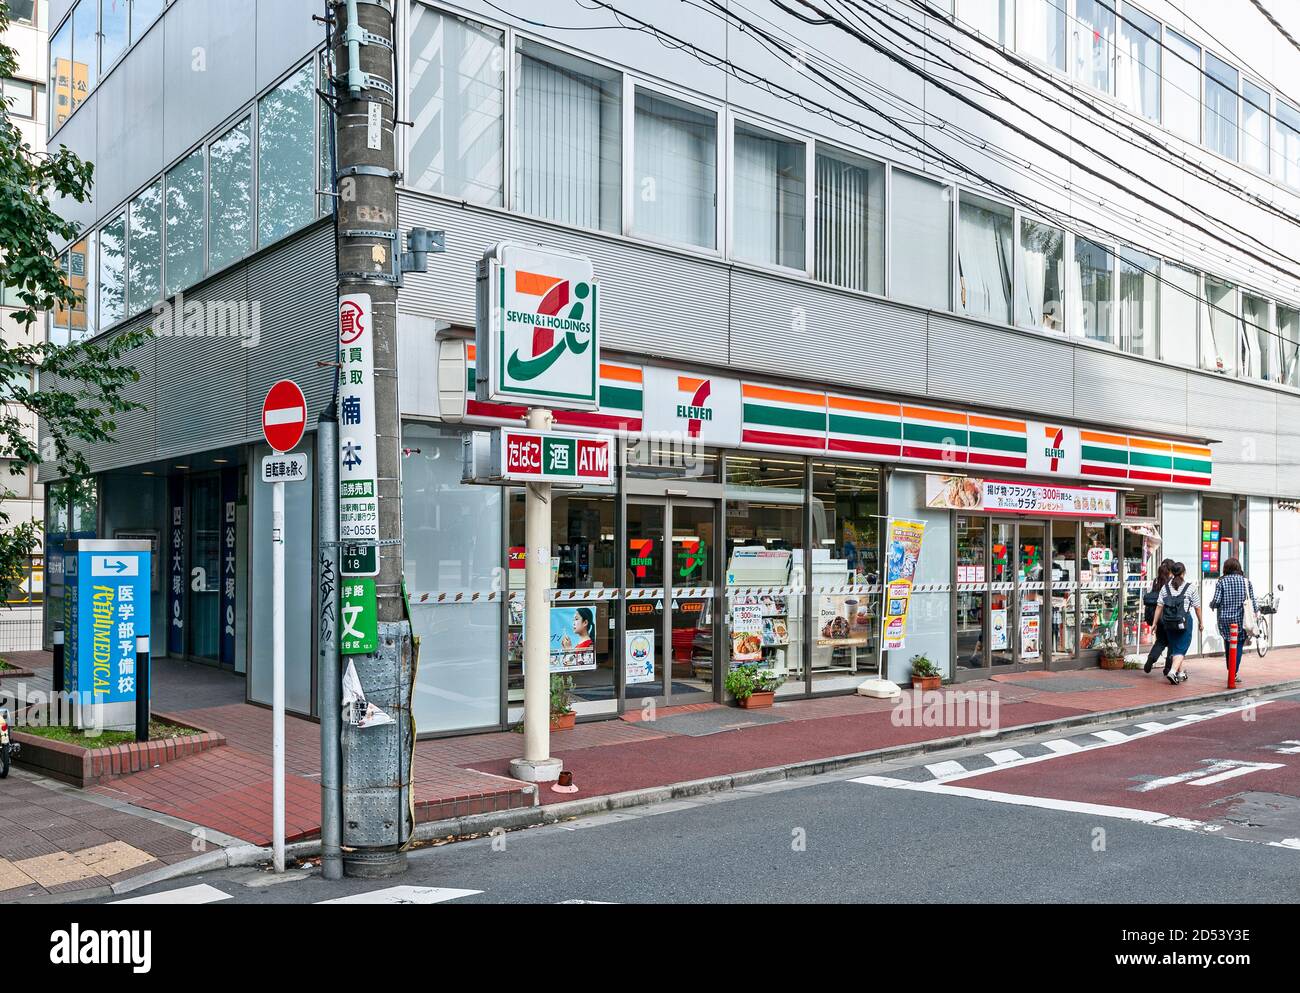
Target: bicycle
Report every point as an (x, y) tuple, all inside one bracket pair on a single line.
[(1268, 605)]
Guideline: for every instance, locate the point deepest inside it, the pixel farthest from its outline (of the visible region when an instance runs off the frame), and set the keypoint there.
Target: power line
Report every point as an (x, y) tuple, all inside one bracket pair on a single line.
[(1277, 25)]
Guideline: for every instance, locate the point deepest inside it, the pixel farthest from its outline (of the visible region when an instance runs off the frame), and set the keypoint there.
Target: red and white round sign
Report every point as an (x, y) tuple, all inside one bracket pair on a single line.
[(284, 415)]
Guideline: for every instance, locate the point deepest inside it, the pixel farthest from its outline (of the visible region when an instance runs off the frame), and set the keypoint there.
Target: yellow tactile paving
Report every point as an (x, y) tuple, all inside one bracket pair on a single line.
[(56, 869), (111, 858), (11, 876)]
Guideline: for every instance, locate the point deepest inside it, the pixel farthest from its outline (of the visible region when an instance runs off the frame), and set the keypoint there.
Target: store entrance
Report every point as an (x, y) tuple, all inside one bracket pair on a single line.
[(1005, 606), (670, 638)]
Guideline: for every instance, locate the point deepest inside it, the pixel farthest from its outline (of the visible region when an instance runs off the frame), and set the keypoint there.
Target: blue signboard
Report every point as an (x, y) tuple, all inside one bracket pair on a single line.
[(106, 605), (176, 567), (230, 507)]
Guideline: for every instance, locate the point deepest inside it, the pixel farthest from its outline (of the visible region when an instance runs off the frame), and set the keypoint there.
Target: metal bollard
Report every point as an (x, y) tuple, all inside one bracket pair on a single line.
[(142, 687)]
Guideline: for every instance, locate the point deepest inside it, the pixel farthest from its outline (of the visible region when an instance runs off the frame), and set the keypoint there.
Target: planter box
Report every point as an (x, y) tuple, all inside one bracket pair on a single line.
[(13, 672), (88, 766), (1111, 663), (758, 700), (926, 683), (563, 722)]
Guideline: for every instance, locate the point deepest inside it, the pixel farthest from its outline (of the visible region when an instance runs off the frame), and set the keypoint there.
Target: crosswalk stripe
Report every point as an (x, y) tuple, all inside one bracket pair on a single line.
[(1110, 735), (199, 893), (1062, 746), (1005, 755), (950, 768), (405, 894), (1153, 726)]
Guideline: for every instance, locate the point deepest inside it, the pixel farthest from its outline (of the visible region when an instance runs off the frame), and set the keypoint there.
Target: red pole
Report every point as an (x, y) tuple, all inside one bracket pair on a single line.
[(1232, 657)]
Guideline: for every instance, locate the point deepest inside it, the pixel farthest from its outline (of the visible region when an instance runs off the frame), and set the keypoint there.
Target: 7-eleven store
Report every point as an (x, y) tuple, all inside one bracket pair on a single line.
[(1040, 538)]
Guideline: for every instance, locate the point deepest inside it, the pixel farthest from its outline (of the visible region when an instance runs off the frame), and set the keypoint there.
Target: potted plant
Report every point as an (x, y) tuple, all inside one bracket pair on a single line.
[(752, 685), (562, 714), (1112, 652), (925, 674)]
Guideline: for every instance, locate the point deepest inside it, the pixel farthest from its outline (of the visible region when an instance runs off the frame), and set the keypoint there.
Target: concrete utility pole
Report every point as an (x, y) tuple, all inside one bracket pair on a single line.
[(370, 264)]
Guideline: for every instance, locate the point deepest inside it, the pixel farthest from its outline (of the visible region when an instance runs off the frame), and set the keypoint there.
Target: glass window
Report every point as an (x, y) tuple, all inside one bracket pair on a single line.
[(145, 249), (1094, 43), (1041, 277), (112, 271), (1288, 143), (85, 51), (22, 11), (1255, 103), (1259, 355), (1182, 90), (846, 550), (185, 223), (1094, 268), (920, 240), (230, 196), (1138, 80), (984, 259), (143, 14), (765, 548), (112, 30), (568, 146), (458, 106), (991, 18), (850, 237), (286, 165), (1139, 303), (81, 276), (61, 316), (771, 195), (1040, 30), (1221, 347), (1220, 106), (675, 184), (1064, 580), (1178, 314), (19, 98), (1288, 330), (60, 91)]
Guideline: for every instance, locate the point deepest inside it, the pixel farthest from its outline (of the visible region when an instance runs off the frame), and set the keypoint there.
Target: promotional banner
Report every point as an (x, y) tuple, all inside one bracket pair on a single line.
[(358, 466), (903, 549), (639, 655), (996, 495), (746, 632), (572, 631)]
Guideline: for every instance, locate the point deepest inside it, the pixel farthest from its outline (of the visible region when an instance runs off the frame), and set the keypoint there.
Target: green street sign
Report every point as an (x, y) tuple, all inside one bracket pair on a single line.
[(359, 617)]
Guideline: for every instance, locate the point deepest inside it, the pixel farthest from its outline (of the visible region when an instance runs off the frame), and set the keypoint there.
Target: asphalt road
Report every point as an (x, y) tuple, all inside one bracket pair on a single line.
[(1079, 822)]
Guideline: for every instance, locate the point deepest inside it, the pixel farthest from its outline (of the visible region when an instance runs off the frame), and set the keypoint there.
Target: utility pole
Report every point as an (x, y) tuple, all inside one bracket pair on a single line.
[(330, 688), (375, 819)]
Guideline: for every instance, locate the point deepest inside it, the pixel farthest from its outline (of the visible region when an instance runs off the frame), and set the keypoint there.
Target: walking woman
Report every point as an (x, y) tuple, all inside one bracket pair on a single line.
[(1230, 595), (1150, 600), (1173, 611)]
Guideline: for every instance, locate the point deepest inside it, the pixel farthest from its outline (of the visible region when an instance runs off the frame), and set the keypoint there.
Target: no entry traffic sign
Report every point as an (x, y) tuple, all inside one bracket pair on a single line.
[(284, 415)]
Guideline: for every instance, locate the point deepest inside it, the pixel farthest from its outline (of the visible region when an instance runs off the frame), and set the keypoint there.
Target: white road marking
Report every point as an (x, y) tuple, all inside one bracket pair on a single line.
[(1234, 773), (949, 768), (1005, 755), (886, 781), (1213, 772), (405, 894), (1110, 735), (199, 893), (1153, 726), (1063, 746), (1288, 747)]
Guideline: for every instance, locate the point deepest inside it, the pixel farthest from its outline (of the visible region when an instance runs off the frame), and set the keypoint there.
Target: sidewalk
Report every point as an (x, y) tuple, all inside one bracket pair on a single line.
[(229, 789)]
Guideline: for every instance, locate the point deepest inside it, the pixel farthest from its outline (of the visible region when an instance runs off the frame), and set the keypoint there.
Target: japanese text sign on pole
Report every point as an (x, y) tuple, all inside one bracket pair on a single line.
[(358, 472), (106, 604), (537, 335), (284, 415), (542, 457)]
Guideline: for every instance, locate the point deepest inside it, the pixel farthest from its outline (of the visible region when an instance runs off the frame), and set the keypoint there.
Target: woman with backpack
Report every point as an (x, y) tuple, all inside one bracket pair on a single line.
[(1173, 611), (1150, 600), (1230, 595)]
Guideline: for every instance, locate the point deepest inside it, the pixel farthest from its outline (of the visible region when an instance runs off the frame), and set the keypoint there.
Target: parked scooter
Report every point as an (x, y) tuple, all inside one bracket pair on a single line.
[(8, 748)]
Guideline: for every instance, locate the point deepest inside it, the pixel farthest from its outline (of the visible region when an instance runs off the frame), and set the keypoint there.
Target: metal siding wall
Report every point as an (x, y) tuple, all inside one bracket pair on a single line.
[(1244, 419), (1288, 446), (202, 379), (1115, 389), (296, 288), (130, 106), (692, 293), (976, 363), (285, 33)]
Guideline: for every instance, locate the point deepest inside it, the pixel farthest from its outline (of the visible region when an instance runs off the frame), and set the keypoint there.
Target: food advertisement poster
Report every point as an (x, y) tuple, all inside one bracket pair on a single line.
[(639, 655), (746, 633), (903, 549), (572, 633), (1030, 612), (1002, 496), (998, 634)]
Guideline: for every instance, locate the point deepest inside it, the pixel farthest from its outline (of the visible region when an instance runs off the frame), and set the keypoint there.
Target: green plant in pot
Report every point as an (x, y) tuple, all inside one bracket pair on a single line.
[(1112, 652), (562, 715), (752, 685), (925, 674)]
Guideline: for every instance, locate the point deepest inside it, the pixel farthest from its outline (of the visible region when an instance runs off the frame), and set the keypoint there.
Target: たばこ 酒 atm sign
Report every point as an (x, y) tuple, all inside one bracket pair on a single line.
[(542, 457)]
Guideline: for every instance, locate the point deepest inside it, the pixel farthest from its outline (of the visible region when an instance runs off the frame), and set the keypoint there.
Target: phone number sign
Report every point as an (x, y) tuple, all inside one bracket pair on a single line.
[(541, 457)]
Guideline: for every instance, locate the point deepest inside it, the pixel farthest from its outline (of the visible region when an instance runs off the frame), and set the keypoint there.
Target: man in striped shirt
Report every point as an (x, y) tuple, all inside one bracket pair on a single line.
[(1230, 595)]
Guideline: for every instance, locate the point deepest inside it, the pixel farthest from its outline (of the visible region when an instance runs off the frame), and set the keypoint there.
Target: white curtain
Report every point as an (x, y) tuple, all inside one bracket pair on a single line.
[(1033, 275), (1040, 30), (1042, 271), (1211, 358), (984, 257), (1178, 314), (1258, 340), (756, 227), (920, 240), (676, 172), (1139, 295), (850, 224)]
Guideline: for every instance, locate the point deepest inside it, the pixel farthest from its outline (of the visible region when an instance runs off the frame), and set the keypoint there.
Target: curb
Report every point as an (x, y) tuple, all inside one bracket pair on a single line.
[(524, 817)]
